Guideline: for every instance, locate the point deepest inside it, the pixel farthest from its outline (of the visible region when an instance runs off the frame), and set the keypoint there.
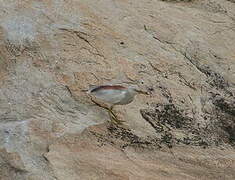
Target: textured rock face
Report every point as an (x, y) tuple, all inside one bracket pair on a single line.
[(180, 51)]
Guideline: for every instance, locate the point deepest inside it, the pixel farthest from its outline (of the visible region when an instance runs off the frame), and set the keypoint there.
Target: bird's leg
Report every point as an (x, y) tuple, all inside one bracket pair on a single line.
[(112, 113), (99, 104), (114, 117)]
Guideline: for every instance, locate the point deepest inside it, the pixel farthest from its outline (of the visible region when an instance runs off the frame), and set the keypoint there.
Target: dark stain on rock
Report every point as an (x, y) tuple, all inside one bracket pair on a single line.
[(166, 114), (175, 127), (166, 119), (225, 114), (122, 138)]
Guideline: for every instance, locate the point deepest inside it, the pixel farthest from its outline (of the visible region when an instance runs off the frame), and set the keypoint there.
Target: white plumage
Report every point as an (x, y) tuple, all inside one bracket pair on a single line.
[(114, 95)]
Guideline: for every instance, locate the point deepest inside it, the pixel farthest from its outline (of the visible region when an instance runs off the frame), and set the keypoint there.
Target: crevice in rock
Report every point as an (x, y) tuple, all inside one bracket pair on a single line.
[(214, 79), (82, 36)]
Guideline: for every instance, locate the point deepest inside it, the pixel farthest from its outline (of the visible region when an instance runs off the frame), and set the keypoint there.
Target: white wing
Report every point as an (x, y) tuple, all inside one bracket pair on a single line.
[(111, 96)]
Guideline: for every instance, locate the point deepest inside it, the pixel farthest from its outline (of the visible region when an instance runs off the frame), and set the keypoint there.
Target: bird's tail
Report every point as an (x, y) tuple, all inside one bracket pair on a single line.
[(89, 89)]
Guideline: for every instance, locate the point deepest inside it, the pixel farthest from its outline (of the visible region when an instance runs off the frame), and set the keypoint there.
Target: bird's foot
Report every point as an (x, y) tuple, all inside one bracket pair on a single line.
[(117, 121), (114, 118)]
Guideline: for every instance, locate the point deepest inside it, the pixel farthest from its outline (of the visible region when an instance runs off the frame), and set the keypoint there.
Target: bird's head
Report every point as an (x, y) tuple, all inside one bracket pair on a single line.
[(138, 87)]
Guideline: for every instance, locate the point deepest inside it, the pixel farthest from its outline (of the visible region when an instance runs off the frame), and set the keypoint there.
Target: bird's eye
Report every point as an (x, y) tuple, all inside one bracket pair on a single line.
[(141, 82)]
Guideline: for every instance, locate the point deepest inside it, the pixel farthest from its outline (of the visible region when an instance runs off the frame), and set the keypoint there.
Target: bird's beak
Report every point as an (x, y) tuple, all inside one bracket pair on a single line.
[(142, 92)]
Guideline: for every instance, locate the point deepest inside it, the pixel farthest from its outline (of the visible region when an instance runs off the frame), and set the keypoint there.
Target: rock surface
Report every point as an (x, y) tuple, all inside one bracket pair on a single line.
[(182, 52)]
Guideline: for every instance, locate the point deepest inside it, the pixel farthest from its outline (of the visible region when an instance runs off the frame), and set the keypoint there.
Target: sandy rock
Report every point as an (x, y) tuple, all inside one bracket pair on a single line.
[(181, 52)]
